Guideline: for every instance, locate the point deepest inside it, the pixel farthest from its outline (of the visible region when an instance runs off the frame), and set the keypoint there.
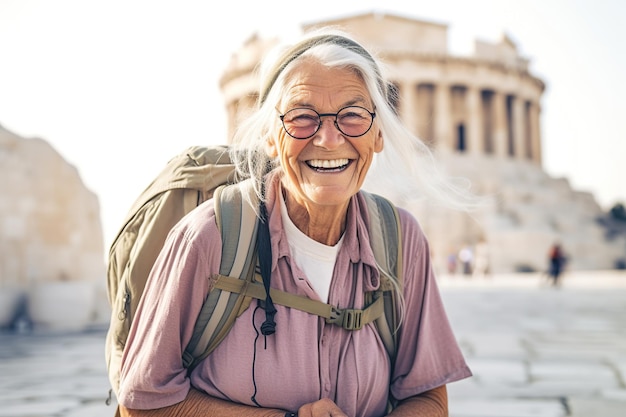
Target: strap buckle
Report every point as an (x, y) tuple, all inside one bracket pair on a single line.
[(349, 319)]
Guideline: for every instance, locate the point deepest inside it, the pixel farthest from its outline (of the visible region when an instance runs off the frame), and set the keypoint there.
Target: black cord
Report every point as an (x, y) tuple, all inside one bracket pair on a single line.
[(264, 246), (253, 398)]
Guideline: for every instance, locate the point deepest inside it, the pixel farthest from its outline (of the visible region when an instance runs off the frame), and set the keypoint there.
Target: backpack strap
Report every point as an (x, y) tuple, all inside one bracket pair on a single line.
[(222, 307), (385, 238)]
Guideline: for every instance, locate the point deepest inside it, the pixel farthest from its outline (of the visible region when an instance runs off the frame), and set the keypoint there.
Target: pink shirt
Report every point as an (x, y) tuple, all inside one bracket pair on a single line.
[(306, 359)]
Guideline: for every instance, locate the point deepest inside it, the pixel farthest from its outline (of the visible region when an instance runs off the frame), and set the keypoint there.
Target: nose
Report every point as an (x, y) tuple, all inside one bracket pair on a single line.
[(328, 135)]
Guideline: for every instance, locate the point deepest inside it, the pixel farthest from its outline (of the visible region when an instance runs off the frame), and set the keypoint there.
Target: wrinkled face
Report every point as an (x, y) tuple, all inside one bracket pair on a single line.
[(330, 167)]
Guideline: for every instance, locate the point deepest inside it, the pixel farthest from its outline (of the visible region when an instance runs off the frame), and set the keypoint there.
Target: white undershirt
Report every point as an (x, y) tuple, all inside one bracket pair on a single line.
[(316, 260)]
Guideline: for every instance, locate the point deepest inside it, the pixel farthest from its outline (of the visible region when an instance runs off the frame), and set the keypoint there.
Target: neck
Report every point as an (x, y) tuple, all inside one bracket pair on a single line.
[(324, 224)]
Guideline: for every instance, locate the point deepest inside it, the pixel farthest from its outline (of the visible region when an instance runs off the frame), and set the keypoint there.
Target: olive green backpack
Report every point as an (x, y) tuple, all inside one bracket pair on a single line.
[(190, 178)]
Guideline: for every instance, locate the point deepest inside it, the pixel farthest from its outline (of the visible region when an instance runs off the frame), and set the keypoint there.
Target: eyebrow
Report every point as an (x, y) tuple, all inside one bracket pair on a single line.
[(361, 101)]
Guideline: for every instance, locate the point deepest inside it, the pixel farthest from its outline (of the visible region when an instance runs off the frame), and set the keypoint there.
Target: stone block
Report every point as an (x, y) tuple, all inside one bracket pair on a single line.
[(498, 371), (61, 306), (10, 299), (507, 408)]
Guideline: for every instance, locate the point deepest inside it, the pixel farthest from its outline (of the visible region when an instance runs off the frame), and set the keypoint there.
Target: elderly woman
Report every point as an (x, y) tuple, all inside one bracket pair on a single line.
[(324, 119)]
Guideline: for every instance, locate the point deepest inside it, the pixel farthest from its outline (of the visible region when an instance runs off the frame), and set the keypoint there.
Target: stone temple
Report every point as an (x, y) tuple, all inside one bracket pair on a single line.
[(51, 263), (481, 115)]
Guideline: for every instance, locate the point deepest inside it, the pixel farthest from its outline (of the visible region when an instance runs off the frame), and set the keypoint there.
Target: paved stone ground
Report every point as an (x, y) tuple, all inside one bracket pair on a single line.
[(540, 351), (535, 350)]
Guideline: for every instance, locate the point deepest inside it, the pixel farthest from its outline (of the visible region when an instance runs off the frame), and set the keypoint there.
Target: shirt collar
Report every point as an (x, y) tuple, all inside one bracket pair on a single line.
[(356, 236)]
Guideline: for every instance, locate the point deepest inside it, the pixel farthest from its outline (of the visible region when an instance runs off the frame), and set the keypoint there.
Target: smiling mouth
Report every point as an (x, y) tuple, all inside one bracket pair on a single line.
[(328, 165)]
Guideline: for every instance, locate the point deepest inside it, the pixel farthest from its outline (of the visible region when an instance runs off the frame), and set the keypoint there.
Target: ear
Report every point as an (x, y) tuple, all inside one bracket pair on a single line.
[(378, 142), (270, 148)]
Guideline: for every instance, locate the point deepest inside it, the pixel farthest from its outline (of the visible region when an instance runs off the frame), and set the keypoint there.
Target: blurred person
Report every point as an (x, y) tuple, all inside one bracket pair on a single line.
[(451, 262), (466, 256), (481, 263), (556, 263)]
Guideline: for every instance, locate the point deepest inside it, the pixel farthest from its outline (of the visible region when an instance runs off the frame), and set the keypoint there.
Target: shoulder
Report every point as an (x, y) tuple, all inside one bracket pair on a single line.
[(410, 226), (198, 228), (415, 245), (412, 238)]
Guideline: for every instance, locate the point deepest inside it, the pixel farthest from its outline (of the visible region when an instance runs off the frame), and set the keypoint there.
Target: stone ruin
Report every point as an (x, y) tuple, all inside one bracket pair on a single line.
[(526, 212), (52, 269)]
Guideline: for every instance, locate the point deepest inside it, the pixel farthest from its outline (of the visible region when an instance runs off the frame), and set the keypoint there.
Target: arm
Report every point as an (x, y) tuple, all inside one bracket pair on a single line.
[(433, 403), (200, 404), (439, 359)]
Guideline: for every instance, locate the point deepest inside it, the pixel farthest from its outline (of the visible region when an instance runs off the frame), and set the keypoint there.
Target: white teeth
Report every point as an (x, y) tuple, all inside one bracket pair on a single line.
[(326, 163)]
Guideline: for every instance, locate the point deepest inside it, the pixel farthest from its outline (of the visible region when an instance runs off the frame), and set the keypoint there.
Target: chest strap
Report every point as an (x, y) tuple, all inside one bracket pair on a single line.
[(348, 318)]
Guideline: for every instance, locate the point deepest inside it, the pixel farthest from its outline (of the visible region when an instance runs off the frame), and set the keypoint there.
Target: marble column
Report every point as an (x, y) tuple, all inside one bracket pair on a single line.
[(426, 110), (409, 106), (535, 132), (443, 122), (498, 103), (519, 128), (475, 134)]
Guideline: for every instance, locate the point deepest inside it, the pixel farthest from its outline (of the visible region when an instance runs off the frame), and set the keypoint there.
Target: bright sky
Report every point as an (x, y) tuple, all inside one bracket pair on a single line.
[(119, 86)]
